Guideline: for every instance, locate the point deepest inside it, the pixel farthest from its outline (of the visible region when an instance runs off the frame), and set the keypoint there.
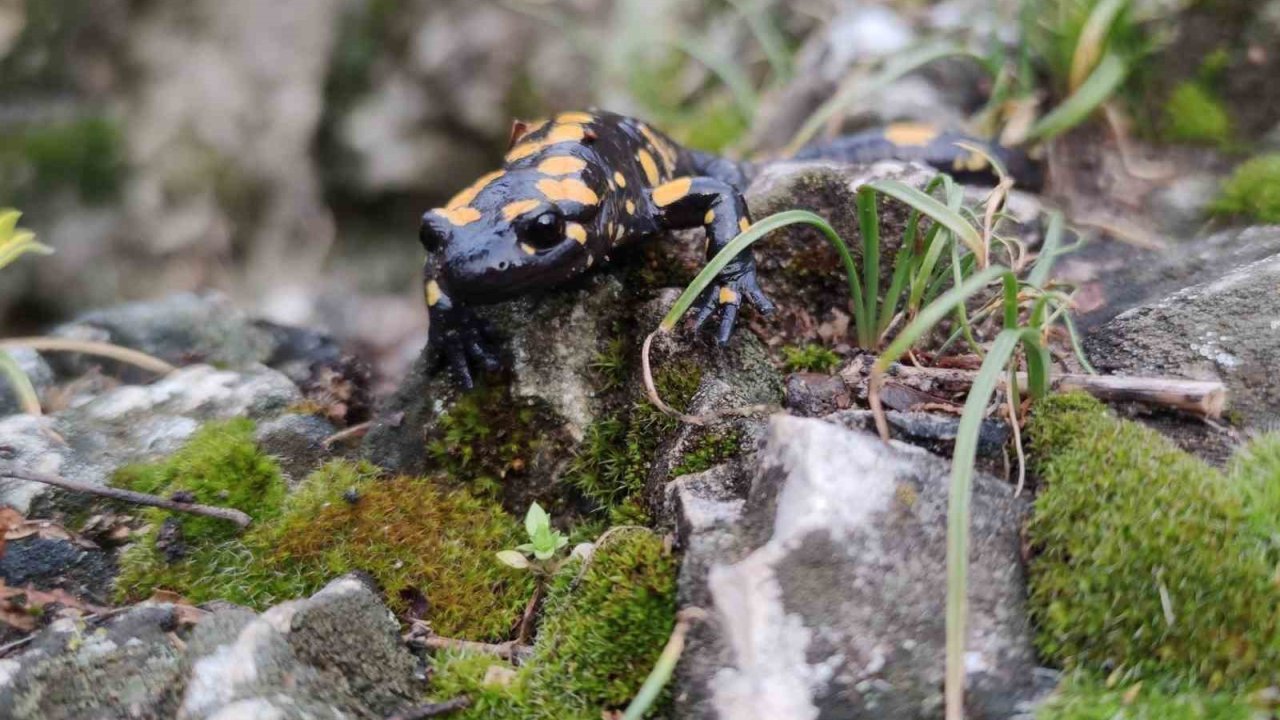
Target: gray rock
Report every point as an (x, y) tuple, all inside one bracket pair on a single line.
[(935, 432), (36, 369), (297, 443), (338, 650), (48, 563), (826, 586), (128, 668), (814, 394), (179, 329), (132, 423), (336, 655), (1114, 277), (1226, 329)]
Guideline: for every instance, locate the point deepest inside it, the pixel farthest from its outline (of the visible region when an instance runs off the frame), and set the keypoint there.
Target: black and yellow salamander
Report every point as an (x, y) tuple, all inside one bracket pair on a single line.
[(578, 185)]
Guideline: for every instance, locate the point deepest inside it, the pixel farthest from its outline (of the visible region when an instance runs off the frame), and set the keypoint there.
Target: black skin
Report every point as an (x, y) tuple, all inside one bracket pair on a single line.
[(572, 190)]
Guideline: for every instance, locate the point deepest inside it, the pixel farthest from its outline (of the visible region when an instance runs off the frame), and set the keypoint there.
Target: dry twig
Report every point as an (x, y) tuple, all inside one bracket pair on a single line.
[(137, 498)]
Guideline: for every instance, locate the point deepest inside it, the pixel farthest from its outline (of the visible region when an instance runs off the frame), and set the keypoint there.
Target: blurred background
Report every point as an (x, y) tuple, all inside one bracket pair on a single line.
[(282, 151)]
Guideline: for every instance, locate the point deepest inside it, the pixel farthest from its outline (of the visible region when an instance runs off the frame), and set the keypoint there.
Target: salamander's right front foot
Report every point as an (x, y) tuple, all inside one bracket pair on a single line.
[(462, 340)]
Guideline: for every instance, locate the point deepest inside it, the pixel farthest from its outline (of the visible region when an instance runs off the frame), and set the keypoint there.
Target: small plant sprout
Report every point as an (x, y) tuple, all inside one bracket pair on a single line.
[(545, 542)]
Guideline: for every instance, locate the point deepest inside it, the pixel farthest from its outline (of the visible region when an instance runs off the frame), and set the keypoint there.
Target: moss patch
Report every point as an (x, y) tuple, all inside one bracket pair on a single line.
[(600, 635), (810, 358), (408, 533), (612, 464), (220, 465), (1092, 701), (486, 440), (708, 450), (1194, 114), (1150, 565), (1253, 191)]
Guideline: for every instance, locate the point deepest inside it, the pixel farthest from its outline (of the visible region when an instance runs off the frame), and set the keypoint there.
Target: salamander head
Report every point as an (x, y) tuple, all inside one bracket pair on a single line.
[(488, 255)]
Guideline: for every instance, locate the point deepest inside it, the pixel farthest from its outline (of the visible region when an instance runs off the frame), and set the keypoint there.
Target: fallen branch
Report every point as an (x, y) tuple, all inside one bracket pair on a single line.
[(509, 651), (431, 710), (1206, 398), (355, 431), (137, 498)]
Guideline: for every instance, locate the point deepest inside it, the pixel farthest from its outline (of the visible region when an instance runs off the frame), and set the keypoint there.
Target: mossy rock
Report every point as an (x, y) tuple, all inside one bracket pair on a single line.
[(603, 628), (1150, 565), (1253, 191), (415, 537)]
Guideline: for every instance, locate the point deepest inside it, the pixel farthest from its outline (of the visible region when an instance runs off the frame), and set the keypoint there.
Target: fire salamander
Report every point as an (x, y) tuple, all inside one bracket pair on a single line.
[(576, 186)]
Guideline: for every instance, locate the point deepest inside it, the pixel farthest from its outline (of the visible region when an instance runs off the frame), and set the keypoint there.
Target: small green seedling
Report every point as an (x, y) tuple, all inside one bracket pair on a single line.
[(545, 542)]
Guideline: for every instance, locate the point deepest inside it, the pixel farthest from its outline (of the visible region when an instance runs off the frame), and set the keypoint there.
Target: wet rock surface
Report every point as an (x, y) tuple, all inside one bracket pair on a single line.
[(1227, 329), (334, 655), (823, 584)]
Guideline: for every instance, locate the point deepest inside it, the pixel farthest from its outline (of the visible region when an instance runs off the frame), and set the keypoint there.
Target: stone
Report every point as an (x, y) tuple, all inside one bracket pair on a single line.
[(1226, 329), (132, 423), (815, 394), (825, 582), (36, 370), (48, 563), (339, 649), (335, 655), (179, 329), (297, 443)]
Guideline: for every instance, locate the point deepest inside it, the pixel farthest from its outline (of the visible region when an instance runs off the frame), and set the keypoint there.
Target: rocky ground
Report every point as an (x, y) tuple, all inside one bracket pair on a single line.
[(1130, 573)]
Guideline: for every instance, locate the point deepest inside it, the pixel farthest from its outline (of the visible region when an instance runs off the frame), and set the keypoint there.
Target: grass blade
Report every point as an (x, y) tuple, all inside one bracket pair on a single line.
[(958, 514), (662, 669), (1039, 274), (771, 40), (1092, 40), (869, 224), (729, 73), (934, 312), (1101, 85), (28, 400), (930, 206), (745, 240)]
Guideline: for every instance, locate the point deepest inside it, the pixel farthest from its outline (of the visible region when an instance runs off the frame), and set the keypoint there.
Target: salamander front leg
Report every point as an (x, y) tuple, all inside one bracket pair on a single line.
[(458, 336), (720, 209)]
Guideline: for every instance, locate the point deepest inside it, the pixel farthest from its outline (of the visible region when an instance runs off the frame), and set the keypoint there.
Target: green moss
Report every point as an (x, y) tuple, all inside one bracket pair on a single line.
[(487, 436), (85, 155), (1146, 564), (1193, 114), (1255, 472), (408, 533), (598, 640), (610, 364), (708, 450), (1253, 191), (1092, 701), (810, 358), (220, 465), (612, 465)]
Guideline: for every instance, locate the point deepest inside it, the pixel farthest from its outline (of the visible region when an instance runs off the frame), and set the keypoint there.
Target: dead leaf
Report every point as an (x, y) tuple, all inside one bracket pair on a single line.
[(188, 614), (20, 607)]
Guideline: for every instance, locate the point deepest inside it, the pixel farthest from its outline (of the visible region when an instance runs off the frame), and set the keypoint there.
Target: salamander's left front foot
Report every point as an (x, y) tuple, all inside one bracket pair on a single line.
[(727, 293)]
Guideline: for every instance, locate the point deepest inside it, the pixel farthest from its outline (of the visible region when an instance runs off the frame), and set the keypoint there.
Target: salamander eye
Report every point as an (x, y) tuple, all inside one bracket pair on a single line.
[(545, 231)]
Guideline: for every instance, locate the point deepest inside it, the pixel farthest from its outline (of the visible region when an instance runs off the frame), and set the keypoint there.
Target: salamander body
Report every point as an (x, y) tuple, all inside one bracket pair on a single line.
[(578, 185)]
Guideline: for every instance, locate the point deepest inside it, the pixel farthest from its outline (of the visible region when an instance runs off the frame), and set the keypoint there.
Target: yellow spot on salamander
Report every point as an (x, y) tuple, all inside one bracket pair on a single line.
[(917, 134), (664, 149), (470, 192), (590, 260), (631, 208), (559, 133), (528, 249), (577, 232), (458, 216), (667, 193), (728, 296), (743, 224), (570, 189), (619, 179), (650, 167), (513, 210), (709, 218), (561, 165), (575, 117), (973, 162), (433, 293)]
